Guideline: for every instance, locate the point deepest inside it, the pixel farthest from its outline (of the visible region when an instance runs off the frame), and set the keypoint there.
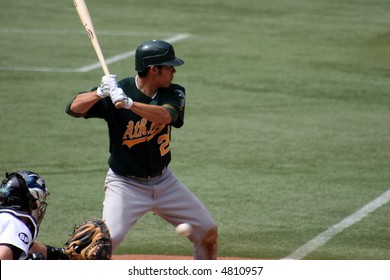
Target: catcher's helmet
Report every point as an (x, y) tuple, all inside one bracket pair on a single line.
[(38, 190), (155, 52), (14, 194)]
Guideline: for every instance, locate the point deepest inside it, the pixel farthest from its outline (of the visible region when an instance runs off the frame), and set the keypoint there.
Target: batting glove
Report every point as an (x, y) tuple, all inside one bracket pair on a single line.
[(118, 96), (107, 84)]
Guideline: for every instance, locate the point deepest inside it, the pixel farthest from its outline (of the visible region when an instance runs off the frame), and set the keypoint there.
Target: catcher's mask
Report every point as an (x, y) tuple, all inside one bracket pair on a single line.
[(38, 190), (155, 52), (14, 194)]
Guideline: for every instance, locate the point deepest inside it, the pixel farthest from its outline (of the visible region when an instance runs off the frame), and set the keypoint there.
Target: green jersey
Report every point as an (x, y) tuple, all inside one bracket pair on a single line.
[(139, 147)]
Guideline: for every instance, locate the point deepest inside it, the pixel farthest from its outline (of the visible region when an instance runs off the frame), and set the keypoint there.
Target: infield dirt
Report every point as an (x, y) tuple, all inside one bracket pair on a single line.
[(165, 257)]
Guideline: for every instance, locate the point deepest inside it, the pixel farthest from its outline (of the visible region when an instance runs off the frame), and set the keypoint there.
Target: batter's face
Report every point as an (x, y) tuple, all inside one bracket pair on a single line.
[(164, 75)]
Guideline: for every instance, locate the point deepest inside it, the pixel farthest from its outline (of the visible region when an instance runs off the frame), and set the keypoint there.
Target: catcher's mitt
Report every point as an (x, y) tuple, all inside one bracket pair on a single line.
[(89, 241)]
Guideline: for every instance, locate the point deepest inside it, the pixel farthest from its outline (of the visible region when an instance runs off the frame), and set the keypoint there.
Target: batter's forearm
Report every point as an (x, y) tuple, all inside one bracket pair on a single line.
[(82, 103), (153, 113)]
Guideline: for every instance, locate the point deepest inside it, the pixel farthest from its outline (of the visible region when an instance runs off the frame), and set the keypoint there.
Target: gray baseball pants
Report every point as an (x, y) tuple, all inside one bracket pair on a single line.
[(128, 199)]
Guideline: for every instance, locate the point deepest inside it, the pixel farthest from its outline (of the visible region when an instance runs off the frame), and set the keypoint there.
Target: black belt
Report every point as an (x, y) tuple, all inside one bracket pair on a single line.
[(154, 175)]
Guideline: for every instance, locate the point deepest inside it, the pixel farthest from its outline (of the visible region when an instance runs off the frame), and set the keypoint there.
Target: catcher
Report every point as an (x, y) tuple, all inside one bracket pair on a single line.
[(90, 240)]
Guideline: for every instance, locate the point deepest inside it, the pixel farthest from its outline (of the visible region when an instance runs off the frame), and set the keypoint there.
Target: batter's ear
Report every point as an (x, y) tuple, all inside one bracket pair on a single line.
[(154, 69)]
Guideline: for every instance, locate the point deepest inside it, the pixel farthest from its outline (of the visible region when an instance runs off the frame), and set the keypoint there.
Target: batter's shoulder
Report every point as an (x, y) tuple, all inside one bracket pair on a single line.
[(129, 81), (176, 89), (176, 86)]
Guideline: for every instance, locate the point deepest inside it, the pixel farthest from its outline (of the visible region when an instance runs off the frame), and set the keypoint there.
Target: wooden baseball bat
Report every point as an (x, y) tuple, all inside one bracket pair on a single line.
[(86, 20)]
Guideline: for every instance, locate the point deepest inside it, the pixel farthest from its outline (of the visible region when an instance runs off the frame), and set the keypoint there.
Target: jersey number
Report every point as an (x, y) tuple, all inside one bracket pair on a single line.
[(163, 141)]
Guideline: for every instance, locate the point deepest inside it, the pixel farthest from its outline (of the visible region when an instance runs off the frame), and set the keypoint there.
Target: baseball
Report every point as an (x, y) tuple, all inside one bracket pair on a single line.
[(184, 229)]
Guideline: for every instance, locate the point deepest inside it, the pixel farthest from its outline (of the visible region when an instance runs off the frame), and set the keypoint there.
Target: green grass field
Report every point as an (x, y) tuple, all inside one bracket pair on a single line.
[(287, 121)]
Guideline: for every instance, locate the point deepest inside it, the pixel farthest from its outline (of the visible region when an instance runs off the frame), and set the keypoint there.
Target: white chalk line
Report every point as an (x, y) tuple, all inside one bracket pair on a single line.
[(82, 32), (325, 236), (93, 66)]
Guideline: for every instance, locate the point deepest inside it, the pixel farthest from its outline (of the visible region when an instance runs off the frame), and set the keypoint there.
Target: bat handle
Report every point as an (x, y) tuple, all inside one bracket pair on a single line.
[(119, 105)]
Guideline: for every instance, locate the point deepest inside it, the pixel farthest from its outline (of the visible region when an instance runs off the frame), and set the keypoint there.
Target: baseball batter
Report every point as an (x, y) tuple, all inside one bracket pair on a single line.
[(139, 180)]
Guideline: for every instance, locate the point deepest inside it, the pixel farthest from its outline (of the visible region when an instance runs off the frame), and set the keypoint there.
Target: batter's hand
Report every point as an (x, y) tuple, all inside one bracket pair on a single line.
[(117, 95), (107, 85)]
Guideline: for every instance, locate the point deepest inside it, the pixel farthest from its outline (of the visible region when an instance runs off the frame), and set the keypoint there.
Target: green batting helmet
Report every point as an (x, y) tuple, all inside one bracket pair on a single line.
[(155, 52)]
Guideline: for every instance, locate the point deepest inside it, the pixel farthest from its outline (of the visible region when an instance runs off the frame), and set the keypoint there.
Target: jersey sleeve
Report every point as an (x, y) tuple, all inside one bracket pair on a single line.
[(14, 232), (98, 110), (174, 103)]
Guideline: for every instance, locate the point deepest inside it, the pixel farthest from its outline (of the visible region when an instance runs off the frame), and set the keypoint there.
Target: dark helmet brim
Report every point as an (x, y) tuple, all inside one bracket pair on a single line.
[(174, 62)]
